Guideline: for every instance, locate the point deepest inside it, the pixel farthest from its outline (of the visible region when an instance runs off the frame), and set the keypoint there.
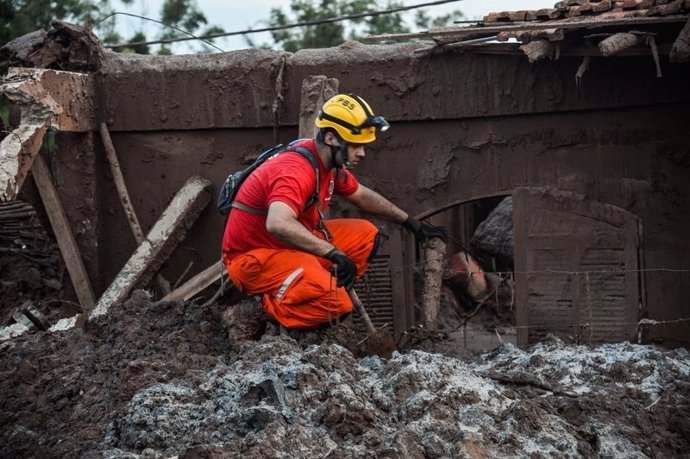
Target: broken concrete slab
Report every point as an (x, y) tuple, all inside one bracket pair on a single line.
[(17, 152), (47, 99), (68, 323), (12, 331), (167, 232), (65, 99)]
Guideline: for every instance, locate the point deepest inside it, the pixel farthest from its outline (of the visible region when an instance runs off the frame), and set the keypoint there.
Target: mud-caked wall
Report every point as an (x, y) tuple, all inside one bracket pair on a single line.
[(464, 126)]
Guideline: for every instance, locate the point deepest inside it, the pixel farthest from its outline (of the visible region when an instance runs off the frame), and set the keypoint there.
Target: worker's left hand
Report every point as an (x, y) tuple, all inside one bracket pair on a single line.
[(345, 269), (423, 231)]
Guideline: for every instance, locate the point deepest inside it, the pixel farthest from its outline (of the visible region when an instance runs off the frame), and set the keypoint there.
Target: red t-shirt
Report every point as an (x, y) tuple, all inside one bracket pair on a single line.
[(287, 177)]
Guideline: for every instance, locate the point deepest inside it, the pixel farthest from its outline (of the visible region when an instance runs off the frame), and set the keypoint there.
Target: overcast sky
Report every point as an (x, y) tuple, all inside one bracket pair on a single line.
[(236, 15)]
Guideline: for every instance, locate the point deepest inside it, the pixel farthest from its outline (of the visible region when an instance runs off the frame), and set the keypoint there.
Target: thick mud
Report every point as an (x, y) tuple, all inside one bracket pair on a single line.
[(162, 380)]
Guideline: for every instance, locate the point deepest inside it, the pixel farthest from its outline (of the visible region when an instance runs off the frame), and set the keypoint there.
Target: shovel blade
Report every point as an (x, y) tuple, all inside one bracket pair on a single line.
[(378, 342)]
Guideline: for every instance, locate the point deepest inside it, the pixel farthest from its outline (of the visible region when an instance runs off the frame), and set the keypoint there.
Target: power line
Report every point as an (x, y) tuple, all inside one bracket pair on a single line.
[(283, 27), (193, 37)]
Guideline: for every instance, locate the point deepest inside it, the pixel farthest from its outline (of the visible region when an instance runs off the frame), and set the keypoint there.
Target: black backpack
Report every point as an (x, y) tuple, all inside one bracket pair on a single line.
[(228, 192)]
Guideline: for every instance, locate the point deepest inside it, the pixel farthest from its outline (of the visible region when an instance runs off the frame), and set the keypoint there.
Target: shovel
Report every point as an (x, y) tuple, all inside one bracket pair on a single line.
[(378, 342)]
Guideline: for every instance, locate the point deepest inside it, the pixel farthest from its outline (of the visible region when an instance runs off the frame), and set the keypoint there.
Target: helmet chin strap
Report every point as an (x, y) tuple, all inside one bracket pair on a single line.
[(339, 161)]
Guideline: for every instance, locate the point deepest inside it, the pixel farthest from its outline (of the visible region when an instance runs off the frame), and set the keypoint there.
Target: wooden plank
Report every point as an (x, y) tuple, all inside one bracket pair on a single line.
[(166, 233), (197, 283), (63, 234), (316, 89), (125, 200), (454, 34), (119, 180), (514, 48)]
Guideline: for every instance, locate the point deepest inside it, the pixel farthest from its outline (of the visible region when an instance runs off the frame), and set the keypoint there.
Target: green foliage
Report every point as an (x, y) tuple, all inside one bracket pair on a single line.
[(317, 36), (423, 21), (138, 49), (184, 15), (335, 33)]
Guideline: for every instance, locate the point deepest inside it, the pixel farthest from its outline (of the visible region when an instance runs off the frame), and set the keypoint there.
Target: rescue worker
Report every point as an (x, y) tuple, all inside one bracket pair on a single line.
[(304, 266)]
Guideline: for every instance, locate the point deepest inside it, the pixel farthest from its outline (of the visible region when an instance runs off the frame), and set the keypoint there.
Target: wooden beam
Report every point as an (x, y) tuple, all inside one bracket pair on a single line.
[(514, 48), (125, 200), (433, 277), (197, 283), (316, 89), (63, 234), (160, 242), (455, 34), (119, 180)]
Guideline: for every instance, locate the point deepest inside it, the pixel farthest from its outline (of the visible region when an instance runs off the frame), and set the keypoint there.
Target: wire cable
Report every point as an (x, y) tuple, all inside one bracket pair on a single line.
[(270, 29), (125, 45)]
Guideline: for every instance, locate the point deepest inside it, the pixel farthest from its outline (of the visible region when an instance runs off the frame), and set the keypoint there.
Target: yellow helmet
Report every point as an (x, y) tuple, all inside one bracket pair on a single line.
[(352, 118)]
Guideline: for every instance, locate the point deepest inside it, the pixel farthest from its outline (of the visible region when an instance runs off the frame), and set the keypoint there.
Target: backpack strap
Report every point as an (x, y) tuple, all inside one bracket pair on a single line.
[(246, 208), (315, 164), (314, 200)]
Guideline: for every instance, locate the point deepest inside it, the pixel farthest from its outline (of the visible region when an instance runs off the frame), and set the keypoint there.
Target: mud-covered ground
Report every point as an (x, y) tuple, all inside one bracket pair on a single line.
[(161, 380)]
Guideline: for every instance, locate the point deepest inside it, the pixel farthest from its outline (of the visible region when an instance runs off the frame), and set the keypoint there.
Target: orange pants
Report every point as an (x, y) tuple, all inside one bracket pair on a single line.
[(297, 288)]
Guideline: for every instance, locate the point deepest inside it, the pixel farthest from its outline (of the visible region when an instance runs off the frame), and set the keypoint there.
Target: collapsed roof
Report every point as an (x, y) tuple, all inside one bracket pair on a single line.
[(579, 27)]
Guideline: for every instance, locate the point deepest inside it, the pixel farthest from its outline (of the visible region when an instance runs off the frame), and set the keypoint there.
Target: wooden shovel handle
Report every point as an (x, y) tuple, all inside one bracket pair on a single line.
[(362, 312)]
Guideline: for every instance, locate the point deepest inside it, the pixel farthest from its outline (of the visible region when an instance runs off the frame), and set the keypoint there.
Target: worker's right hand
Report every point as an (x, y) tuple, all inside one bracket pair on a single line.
[(423, 231), (345, 269)]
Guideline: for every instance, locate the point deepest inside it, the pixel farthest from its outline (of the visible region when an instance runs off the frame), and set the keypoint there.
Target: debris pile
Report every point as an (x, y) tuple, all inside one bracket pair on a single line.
[(31, 271), (168, 383), (64, 47)]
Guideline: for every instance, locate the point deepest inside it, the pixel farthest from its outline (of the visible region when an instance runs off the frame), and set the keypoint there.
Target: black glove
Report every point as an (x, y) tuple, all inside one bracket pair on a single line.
[(345, 269), (423, 231)]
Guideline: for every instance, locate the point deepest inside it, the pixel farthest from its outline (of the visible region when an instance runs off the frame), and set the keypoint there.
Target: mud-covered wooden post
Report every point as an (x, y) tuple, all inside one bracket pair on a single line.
[(316, 89), (167, 232), (204, 279), (125, 200), (63, 233), (435, 250)]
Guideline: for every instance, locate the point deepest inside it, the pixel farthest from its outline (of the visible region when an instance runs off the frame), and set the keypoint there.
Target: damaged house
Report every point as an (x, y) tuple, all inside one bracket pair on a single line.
[(582, 121), (554, 145)]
